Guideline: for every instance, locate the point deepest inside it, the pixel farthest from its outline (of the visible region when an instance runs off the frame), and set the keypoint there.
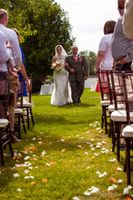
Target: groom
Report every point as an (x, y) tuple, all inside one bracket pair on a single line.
[(77, 67)]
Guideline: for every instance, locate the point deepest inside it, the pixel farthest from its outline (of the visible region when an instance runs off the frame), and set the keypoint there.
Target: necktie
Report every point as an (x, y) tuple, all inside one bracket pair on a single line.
[(75, 58)]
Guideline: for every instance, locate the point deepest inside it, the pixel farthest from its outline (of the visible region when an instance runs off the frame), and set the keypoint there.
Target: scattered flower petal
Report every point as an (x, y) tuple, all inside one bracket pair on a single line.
[(43, 153), (19, 190), (119, 169), (26, 171), (112, 180), (29, 177), (33, 183), (44, 180), (120, 181), (16, 175), (87, 193), (112, 160), (26, 157), (75, 198)]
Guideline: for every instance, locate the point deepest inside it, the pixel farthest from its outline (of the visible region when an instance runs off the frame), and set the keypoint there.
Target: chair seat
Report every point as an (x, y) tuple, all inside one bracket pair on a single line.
[(128, 131), (111, 107), (105, 103), (3, 123), (120, 116), (18, 111)]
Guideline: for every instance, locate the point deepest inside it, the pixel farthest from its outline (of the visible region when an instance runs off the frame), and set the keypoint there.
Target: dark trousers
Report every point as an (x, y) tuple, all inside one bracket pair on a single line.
[(124, 67), (77, 88)]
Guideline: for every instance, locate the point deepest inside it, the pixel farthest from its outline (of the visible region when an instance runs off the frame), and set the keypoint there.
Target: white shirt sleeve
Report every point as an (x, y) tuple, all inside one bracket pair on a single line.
[(103, 44), (4, 56), (16, 49)]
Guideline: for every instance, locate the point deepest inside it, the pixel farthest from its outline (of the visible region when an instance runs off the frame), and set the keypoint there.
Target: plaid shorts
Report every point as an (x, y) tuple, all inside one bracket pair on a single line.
[(4, 91), (4, 84)]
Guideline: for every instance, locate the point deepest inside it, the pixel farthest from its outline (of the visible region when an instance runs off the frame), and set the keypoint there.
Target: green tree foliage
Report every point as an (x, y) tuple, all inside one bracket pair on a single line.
[(43, 24), (90, 58)]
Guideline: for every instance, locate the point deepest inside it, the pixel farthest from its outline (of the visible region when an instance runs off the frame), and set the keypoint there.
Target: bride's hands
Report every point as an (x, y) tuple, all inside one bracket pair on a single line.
[(72, 71)]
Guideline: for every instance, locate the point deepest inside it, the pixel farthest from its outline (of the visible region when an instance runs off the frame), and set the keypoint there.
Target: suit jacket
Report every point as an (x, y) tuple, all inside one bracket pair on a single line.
[(128, 19), (80, 67)]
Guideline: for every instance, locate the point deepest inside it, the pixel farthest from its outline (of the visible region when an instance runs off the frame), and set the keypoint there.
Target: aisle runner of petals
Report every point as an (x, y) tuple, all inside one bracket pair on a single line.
[(102, 150), (28, 155)]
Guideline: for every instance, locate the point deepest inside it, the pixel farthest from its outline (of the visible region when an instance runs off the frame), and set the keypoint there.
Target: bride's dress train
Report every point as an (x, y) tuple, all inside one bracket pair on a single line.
[(61, 94)]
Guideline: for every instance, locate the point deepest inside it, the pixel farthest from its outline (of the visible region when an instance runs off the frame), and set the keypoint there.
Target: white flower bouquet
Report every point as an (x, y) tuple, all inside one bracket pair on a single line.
[(57, 66)]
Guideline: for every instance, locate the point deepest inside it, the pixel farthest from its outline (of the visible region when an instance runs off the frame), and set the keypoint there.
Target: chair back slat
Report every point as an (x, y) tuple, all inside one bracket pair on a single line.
[(117, 88), (105, 87), (127, 79)]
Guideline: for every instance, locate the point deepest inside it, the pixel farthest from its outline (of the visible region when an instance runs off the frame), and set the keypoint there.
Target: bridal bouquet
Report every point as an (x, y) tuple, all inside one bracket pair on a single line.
[(57, 66)]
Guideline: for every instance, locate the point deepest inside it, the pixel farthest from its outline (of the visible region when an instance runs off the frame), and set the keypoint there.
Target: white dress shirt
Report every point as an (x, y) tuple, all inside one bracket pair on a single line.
[(4, 56), (12, 38)]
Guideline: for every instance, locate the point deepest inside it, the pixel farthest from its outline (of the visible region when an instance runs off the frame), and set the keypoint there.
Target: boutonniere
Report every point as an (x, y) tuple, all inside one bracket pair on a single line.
[(80, 58)]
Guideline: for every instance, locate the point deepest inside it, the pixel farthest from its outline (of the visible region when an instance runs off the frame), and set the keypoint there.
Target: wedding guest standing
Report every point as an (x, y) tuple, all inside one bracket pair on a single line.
[(104, 59), (78, 72), (61, 91), (11, 37), (128, 19), (122, 47)]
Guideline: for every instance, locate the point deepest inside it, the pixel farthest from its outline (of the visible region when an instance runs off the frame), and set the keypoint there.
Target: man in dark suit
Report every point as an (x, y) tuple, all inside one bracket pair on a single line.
[(78, 72)]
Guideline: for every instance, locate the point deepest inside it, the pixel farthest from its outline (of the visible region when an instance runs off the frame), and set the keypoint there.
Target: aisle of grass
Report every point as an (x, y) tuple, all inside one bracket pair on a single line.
[(63, 156)]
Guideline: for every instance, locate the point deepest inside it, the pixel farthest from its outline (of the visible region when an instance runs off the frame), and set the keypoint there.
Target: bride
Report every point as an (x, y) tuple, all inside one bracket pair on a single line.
[(61, 93)]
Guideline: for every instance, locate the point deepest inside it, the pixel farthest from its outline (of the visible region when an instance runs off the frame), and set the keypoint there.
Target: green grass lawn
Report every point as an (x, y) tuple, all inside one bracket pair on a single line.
[(63, 155)]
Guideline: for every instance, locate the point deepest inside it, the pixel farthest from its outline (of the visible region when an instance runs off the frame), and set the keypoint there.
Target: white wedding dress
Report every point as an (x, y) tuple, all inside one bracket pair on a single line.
[(61, 93)]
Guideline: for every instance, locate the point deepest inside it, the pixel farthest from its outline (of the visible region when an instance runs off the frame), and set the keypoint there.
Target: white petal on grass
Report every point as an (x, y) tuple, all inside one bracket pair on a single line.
[(87, 193), (19, 190), (43, 153), (34, 138), (75, 198), (129, 187), (119, 169), (112, 160), (62, 140), (26, 171), (93, 149), (81, 138), (103, 175), (16, 175), (30, 167), (96, 154), (92, 140), (87, 132), (120, 181), (98, 129), (86, 153), (95, 190), (98, 147), (26, 157), (112, 187), (99, 144), (126, 191), (104, 151), (91, 190), (40, 142), (29, 177), (103, 142)]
